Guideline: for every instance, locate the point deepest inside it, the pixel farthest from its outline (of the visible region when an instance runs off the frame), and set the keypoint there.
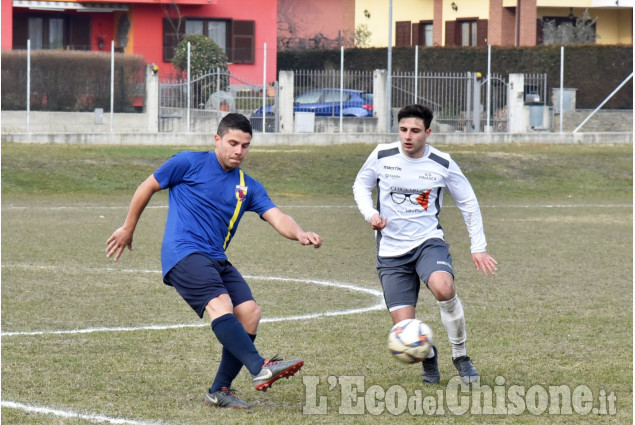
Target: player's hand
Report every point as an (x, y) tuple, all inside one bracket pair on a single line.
[(484, 262), (377, 222), (116, 243), (310, 238)]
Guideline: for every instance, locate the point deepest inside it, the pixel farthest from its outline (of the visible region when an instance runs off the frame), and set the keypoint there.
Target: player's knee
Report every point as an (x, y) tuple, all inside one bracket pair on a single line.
[(256, 312), (442, 286), (248, 311)]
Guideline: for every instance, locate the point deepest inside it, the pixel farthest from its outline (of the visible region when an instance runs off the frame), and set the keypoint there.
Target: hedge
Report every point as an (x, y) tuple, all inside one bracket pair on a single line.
[(72, 81), (594, 70)]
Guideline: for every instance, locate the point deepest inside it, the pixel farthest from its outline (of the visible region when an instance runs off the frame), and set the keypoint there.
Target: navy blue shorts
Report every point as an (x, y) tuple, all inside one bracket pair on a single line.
[(401, 276), (199, 279)]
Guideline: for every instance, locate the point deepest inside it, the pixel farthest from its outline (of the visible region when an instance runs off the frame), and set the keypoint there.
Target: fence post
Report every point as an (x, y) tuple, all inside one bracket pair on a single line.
[(561, 84), (112, 82), (516, 103), (469, 109), (476, 103), (416, 97), (189, 87), (379, 99), (286, 89), (341, 86), (28, 86), (488, 127), (152, 99), (264, 89)]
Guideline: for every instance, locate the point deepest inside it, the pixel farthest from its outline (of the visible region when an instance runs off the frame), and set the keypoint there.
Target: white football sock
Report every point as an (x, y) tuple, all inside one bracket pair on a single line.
[(431, 354), (453, 319)]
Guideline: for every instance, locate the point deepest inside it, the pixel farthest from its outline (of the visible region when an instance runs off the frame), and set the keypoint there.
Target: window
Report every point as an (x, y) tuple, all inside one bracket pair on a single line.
[(56, 33), (427, 35), (216, 30), (416, 34), (422, 33), (466, 32), (236, 38), (51, 31)]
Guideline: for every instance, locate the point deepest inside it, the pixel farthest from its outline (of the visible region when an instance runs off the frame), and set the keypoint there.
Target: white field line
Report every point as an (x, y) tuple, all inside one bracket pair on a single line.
[(378, 306), (124, 207), (73, 415), (105, 419)]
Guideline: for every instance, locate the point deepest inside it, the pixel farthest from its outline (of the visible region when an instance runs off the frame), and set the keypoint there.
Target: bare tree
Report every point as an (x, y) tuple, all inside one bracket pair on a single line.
[(582, 31)]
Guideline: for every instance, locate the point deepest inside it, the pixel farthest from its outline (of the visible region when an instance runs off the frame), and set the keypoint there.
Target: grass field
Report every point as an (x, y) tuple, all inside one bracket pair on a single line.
[(86, 340)]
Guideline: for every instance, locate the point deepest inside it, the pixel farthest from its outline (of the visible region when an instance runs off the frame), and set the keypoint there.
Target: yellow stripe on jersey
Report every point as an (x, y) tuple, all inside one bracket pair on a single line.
[(239, 204)]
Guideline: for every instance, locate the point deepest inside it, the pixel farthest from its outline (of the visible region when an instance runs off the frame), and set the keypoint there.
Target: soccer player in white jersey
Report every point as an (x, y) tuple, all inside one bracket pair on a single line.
[(411, 177)]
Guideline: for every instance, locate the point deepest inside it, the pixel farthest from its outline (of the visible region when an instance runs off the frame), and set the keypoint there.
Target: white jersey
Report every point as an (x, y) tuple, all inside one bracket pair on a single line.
[(410, 196)]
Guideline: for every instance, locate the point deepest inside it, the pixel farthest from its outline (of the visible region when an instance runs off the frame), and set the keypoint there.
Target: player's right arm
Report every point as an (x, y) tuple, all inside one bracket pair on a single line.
[(122, 237), (365, 182)]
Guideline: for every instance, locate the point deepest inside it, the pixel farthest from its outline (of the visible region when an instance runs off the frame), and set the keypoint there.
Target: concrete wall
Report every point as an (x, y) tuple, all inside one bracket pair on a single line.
[(259, 139), (72, 122)]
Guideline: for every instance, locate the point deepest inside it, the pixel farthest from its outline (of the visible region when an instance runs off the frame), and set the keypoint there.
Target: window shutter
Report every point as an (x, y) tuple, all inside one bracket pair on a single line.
[(243, 42), (417, 39), (79, 32), (481, 32), (402, 34), (172, 32), (20, 31), (450, 33)]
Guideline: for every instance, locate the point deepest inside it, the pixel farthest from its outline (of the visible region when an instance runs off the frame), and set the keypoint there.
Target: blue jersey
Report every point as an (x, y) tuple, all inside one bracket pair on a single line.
[(206, 204)]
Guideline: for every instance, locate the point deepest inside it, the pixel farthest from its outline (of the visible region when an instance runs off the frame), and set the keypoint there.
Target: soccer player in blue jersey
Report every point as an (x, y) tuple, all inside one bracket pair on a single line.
[(411, 177), (208, 195)]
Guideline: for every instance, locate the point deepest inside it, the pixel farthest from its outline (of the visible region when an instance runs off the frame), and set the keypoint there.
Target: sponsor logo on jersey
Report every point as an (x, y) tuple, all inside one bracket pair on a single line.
[(428, 176), (241, 192), (424, 199)]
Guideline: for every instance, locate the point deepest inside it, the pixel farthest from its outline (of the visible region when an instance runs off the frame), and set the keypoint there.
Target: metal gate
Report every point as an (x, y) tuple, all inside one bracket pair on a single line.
[(458, 99), (198, 106)]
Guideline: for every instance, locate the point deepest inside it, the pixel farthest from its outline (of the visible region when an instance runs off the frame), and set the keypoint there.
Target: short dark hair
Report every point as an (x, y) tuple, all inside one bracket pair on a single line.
[(416, 111), (234, 121)]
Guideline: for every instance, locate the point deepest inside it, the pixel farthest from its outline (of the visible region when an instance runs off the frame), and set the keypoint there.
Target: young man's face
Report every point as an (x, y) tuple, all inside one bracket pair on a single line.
[(413, 135), (232, 148)]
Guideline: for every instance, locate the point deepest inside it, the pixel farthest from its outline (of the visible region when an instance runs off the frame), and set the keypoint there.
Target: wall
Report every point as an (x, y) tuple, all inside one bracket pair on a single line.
[(305, 19), (7, 24), (401, 11), (192, 139), (72, 125), (148, 33), (72, 122)]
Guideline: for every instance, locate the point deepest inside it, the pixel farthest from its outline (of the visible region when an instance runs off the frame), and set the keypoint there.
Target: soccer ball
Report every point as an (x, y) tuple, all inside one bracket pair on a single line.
[(410, 341)]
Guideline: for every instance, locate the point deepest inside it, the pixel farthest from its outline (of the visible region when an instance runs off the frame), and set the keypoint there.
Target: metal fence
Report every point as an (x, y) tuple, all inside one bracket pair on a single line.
[(305, 80), (460, 101), (447, 94), (199, 105)]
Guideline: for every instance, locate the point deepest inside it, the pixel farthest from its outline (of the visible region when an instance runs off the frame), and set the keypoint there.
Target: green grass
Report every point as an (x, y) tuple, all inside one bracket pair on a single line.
[(558, 313)]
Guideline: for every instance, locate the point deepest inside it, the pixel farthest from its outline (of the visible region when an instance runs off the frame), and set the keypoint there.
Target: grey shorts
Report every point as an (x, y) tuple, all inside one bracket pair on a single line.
[(401, 276)]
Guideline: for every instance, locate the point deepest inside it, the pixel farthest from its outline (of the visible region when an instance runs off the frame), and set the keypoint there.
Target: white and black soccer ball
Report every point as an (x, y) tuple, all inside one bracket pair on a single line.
[(410, 341)]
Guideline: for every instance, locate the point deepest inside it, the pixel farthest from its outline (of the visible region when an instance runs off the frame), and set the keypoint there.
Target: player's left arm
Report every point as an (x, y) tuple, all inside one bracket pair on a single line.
[(484, 262), (287, 227), (463, 194)]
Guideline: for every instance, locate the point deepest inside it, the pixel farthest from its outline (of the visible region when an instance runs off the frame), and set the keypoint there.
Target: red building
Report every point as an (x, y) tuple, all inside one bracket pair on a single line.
[(150, 28)]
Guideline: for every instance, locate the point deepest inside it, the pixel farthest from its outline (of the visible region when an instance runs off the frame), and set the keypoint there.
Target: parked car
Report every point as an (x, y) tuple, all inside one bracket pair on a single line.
[(324, 103)]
